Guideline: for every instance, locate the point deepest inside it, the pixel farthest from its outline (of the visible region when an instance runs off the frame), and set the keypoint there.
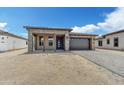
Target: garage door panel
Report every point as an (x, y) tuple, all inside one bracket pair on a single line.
[(79, 44)]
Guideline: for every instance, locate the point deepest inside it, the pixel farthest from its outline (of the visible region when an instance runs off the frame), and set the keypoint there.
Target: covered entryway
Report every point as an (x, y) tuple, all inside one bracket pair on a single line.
[(60, 42), (79, 43)]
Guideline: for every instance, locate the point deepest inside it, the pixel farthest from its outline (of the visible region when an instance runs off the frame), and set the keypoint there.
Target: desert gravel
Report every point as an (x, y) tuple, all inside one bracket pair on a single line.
[(52, 68)]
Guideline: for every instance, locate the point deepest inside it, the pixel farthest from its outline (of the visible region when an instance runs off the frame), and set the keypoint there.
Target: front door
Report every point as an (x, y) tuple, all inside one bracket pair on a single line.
[(60, 42)]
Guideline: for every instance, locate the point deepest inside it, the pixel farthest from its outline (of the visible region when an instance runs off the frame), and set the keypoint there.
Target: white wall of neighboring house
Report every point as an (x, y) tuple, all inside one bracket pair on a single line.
[(11, 43), (120, 37), (3, 44)]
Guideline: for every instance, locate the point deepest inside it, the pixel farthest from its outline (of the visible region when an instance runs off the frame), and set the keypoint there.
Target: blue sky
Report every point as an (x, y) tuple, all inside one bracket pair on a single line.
[(16, 18)]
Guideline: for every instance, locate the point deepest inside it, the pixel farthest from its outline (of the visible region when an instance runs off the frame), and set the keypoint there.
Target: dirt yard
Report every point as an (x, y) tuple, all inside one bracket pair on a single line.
[(52, 68)]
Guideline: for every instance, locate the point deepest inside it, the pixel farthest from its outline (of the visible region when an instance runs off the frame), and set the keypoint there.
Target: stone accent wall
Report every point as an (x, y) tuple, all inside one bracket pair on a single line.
[(55, 42), (30, 42)]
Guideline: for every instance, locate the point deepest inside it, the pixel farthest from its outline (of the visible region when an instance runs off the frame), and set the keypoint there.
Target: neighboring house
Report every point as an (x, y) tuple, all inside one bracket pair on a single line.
[(41, 38), (114, 40), (10, 41)]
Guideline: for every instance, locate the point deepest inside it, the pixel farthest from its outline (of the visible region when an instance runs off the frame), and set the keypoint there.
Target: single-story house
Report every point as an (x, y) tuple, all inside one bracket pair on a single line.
[(10, 41), (43, 38), (114, 40)]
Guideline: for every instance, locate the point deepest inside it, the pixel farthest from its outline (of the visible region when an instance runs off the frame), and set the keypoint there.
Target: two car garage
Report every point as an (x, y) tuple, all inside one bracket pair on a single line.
[(79, 43)]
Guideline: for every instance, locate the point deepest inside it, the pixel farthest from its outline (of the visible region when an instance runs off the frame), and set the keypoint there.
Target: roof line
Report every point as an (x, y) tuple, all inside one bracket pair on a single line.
[(73, 33), (116, 32), (120, 31), (10, 34), (47, 28)]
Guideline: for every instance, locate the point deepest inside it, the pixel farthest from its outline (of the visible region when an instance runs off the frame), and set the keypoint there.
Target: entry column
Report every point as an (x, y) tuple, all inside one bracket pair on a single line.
[(30, 42), (67, 40), (55, 42)]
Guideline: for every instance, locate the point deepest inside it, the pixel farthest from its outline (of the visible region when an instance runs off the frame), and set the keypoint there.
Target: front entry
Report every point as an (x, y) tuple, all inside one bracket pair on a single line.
[(59, 42)]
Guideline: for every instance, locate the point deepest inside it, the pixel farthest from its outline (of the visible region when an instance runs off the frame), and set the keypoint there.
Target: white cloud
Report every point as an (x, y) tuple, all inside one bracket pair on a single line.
[(113, 22), (3, 25), (84, 29)]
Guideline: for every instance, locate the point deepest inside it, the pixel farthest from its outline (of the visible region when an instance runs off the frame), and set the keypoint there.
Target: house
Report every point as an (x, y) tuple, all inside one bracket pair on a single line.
[(10, 41), (114, 40), (43, 38)]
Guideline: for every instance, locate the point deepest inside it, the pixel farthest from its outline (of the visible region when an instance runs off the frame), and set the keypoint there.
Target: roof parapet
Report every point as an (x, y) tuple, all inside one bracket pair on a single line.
[(47, 28)]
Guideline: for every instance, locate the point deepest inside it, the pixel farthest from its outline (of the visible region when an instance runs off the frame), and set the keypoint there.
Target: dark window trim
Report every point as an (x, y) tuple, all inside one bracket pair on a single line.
[(108, 41), (41, 42), (116, 42), (100, 42), (50, 40)]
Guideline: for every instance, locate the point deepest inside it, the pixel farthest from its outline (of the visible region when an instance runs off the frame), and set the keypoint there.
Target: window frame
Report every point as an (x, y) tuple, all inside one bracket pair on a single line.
[(2, 38), (50, 40), (41, 41), (108, 41), (100, 43), (116, 42)]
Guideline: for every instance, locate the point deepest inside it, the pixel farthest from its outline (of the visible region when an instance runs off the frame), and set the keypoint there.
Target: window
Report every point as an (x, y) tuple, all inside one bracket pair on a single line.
[(26, 42), (108, 41), (100, 42), (41, 41), (50, 43), (3, 38), (115, 42), (50, 40)]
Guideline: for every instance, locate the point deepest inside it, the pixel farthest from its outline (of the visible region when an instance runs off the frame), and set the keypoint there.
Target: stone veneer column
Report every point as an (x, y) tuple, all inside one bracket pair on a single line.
[(30, 42), (55, 42), (33, 43), (67, 40)]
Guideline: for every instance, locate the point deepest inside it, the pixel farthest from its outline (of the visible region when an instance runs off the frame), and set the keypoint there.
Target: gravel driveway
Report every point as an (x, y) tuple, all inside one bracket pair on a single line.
[(110, 59)]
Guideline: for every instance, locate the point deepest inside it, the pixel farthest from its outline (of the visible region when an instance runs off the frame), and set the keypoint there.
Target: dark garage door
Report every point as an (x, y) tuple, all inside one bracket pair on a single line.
[(79, 44)]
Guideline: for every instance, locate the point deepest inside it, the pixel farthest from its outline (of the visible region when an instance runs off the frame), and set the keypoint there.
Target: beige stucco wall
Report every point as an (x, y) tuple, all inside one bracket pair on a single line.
[(38, 31), (67, 40), (92, 43), (111, 45)]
